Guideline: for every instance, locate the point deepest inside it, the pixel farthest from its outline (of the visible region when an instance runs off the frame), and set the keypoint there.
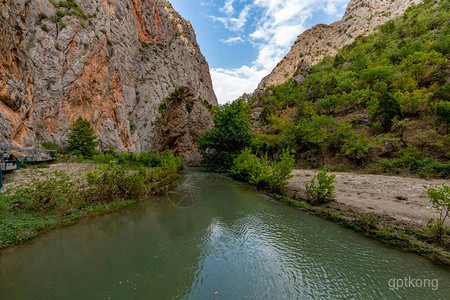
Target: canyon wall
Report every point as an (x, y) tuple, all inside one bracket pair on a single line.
[(109, 61)]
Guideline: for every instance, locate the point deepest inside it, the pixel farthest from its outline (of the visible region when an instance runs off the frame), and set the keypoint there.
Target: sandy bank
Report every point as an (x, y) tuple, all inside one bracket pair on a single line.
[(402, 199)]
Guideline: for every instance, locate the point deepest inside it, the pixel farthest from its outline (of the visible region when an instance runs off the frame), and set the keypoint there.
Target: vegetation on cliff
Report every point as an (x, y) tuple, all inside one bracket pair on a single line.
[(381, 102)]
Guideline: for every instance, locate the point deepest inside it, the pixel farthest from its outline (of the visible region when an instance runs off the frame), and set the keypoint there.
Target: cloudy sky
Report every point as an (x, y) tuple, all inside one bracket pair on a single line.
[(243, 40)]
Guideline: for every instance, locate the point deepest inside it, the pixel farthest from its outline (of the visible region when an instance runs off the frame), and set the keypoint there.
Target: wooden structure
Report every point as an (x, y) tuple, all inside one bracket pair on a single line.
[(27, 155)]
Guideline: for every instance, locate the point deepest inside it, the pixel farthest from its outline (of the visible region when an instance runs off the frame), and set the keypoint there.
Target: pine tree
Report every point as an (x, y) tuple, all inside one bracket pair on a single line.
[(81, 139)]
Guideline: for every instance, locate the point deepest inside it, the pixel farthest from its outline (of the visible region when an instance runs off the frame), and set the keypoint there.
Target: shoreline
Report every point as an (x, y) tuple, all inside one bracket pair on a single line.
[(396, 222), (403, 199), (20, 225), (393, 213)]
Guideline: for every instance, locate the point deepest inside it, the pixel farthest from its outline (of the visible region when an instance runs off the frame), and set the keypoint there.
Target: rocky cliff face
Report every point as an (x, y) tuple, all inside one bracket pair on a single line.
[(110, 61), (313, 45)]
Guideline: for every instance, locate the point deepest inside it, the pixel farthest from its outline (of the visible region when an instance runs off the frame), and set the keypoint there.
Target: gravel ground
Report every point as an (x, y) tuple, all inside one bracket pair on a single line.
[(403, 199), (22, 176)]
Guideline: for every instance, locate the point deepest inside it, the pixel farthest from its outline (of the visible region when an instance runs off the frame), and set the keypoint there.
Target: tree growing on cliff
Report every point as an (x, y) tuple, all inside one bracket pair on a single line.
[(231, 134), (81, 139)]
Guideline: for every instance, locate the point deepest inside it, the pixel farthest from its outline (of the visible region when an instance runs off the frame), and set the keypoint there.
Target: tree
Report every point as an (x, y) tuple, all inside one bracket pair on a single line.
[(442, 110), (388, 108), (81, 139), (426, 68), (338, 61), (230, 135)]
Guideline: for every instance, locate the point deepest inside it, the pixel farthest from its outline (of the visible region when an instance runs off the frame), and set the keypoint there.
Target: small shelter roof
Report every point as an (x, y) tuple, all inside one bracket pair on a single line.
[(5, 146)]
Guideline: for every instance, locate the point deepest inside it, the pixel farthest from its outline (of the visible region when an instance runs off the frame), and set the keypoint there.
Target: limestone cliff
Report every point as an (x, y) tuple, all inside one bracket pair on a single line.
[(110, 61), (360, 18)]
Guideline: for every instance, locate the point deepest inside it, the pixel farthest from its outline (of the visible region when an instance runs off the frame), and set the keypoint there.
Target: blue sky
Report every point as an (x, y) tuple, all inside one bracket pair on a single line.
[(243, 40)]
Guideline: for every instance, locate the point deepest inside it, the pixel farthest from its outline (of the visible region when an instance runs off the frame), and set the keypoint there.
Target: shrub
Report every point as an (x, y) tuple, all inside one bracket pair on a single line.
[(442, 110), (114, 182), (103, 158), (388, 109), (249, 167), (308, 135), (149, 159), (440, 199), (281, 172), (357, 147), (260, 172), (321, 189), (45, 28), (107, 183), (54, 193)]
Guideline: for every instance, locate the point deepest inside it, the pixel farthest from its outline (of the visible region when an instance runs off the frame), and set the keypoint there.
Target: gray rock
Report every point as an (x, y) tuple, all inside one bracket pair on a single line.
[(299, 79), (114, 66)]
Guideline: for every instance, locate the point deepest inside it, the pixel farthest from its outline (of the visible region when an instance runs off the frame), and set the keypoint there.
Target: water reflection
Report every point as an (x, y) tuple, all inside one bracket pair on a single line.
[(211, 234)]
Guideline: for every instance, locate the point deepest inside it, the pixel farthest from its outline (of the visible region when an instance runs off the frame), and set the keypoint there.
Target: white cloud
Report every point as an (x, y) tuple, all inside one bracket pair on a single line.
[(233, 40), (228, 7), (232, 23), (273, 32), (230, 84)]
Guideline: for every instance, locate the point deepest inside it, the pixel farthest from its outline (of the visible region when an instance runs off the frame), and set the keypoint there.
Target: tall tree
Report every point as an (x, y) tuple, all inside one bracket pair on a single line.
[(230, 135), (81, 139)]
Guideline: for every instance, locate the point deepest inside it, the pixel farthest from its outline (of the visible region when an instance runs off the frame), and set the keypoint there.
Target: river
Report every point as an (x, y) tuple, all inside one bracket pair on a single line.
[(213, 238)]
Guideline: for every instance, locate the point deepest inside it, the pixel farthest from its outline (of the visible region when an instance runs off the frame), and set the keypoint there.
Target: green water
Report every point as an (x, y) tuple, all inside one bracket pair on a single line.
[(212, 234)]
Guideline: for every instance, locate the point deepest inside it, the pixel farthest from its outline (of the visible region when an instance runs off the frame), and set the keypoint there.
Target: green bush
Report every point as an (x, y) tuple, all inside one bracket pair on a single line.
[(261, 173), (109, 183), (321, 189), (103, 158), (425, 168), (440, 199), (281, 172), (54, 193), (308, 135), (230, 135), (114, 182), (357, 147), (388, 109), (442, 110)]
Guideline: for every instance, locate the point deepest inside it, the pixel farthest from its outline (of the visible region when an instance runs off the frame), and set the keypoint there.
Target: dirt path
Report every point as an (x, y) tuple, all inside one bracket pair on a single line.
[(403, 199)]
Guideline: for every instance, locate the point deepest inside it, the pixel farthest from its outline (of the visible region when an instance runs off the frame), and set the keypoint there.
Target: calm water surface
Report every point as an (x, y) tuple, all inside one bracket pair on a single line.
[(212, 234)]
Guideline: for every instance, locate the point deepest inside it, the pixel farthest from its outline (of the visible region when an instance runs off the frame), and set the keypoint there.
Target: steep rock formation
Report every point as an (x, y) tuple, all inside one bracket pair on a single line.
[(182, 118), (313, 45), (110, 61)]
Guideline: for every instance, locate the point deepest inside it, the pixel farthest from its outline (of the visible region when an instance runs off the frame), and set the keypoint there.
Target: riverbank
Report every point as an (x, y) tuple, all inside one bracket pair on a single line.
[(391, 209), (38, 199), (400, 198)]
